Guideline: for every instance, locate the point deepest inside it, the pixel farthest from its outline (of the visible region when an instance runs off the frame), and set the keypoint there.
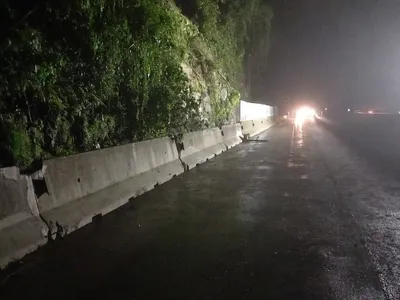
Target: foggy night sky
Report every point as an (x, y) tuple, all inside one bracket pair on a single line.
[(340, 52)]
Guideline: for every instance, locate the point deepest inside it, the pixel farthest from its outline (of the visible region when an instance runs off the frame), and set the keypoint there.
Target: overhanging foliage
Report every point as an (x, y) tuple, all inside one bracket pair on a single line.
[(79, 74)]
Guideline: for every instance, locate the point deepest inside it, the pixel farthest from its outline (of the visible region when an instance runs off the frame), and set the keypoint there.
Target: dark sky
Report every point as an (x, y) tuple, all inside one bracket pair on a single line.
[(339, 52)]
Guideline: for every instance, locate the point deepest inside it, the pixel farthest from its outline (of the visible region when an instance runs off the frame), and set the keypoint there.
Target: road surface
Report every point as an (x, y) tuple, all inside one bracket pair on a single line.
[(302, 213)]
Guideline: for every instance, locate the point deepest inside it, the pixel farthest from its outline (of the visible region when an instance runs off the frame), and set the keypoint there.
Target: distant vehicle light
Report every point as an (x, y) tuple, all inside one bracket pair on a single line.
[(370, 112), (285, 117), (303, 114), (326, 108), (348, 109)]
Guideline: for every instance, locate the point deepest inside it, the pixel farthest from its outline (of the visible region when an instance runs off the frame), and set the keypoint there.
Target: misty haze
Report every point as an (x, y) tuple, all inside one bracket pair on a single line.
[(200, 149)]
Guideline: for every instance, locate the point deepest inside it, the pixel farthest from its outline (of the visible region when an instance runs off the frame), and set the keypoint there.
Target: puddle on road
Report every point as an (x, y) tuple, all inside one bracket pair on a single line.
[(264, 167), (299, 144), (295, 165), (259, 167)]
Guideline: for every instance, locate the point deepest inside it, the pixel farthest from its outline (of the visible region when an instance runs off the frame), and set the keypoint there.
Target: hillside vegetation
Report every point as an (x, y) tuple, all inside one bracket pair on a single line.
[(80, 74)]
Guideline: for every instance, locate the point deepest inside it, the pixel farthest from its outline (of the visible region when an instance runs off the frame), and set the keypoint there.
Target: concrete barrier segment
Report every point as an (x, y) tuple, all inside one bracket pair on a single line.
[(255, 127), (199, 146), (85, 185), (232, 135), (21, 228), (248, 128)]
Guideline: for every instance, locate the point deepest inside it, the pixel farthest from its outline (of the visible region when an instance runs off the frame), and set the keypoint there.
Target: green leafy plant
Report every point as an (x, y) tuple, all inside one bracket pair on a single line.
[(79, 74)]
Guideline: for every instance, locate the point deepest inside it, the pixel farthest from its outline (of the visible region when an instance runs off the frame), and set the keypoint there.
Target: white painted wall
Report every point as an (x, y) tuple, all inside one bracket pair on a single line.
[(255, 111)]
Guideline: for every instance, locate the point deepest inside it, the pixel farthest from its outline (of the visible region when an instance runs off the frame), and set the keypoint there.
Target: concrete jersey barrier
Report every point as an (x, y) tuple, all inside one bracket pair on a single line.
[(261, 125), (254, 127), (21, 229), (200, 146), (95, 183), (248, 127), (82, 186), (232, 135)]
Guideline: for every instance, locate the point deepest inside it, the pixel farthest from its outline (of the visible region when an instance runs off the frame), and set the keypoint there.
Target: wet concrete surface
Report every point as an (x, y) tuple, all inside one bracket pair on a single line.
[(302, 216)]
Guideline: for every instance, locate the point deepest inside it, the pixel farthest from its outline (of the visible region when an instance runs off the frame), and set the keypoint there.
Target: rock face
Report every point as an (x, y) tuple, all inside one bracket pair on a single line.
[(211, 88)]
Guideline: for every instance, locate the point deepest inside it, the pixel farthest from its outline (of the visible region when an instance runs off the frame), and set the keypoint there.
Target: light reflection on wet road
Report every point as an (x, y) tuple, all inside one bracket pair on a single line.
[(301, 216)]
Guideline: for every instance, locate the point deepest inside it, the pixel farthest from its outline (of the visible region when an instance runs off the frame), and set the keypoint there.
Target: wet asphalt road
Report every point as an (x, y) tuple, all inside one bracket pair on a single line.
[(308, 214)]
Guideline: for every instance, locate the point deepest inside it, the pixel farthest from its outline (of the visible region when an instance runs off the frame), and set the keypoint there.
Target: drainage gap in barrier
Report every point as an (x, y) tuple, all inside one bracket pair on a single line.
[(178, 143), (185, 166), (60, 231), (180, 147), (48, 235), (39, 184), (245, 137), (40, 189)]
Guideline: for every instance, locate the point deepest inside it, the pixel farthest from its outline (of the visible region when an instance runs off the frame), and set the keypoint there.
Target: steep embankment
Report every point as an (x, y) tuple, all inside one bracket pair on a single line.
[(81, 74)]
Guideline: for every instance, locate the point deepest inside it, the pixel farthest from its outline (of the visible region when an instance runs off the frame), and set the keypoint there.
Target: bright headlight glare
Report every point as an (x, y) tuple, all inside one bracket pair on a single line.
[(304, 113)]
